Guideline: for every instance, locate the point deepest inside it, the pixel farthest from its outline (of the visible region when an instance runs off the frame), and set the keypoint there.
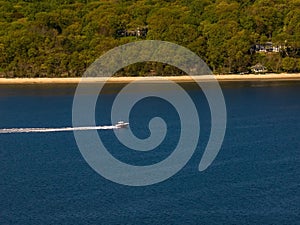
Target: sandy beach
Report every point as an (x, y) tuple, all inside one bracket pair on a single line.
[(180, 79)]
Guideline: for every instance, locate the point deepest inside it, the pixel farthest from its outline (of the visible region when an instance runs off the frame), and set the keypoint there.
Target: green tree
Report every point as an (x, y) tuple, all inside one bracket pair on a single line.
[(289, 64)]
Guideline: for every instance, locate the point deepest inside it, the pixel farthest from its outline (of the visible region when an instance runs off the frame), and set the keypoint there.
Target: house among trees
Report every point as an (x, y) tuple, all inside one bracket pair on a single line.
[(267, 47), (139, 32), (259, 68), (272, 48)]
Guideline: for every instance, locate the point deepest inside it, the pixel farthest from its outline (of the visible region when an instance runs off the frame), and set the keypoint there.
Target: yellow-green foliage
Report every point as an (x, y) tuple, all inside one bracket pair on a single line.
[(63, 37)]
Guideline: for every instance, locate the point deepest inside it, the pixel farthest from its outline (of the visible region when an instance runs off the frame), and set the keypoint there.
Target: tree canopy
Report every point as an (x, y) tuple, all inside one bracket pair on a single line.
[(63, 37)]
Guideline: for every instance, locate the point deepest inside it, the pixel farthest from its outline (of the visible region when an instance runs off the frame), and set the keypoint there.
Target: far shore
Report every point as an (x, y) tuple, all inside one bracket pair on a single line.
[(154, 79)]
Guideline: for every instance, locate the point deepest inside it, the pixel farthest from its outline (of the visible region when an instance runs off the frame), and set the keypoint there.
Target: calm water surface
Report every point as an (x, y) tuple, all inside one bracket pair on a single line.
[(255, 179)]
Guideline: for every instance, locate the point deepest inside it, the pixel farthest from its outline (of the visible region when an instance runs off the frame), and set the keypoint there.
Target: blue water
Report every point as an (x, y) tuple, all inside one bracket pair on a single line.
[(255, 178)]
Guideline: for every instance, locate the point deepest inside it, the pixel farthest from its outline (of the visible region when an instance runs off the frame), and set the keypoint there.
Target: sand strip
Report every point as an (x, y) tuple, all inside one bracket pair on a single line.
[(202, 78)]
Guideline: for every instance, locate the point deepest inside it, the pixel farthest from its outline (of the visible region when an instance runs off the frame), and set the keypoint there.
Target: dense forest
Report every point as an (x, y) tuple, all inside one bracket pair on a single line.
[(41, 38)]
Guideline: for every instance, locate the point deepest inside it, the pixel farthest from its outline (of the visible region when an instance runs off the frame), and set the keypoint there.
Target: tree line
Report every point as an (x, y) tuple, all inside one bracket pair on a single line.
[(56, 38)]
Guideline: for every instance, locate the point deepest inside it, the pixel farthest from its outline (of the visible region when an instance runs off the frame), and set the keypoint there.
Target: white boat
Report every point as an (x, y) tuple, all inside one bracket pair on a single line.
[(122, 124)]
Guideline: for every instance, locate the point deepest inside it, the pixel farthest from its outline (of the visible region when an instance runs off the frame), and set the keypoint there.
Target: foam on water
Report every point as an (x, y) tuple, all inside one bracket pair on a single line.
[(63, 129)]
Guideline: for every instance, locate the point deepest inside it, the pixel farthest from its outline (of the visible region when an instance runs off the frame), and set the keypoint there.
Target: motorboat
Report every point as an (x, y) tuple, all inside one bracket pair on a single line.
[(121, 124)]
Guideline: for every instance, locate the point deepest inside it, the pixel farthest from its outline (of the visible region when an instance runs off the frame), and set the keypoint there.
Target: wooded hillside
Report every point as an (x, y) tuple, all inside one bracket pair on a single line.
[(63, 37)]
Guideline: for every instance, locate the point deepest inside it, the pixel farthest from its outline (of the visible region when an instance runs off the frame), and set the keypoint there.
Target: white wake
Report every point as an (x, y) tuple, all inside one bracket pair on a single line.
[(63, 129)]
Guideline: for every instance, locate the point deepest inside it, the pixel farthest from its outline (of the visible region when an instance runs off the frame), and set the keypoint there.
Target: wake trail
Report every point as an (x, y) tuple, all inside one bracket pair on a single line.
[(45, 130)]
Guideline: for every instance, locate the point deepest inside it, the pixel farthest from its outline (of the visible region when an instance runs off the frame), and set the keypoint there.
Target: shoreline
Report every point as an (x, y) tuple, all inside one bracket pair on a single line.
[(154, 79)]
